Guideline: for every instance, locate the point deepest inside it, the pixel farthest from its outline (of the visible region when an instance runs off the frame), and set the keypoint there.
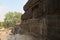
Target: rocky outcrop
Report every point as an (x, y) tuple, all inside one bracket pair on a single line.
[(41, 19)]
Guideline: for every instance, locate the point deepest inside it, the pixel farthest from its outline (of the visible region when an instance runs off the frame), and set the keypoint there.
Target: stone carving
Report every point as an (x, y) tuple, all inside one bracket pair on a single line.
[(41, 19)]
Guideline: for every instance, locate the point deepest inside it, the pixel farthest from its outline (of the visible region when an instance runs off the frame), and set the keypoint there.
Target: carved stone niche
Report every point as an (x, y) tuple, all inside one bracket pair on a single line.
[(36, 11)]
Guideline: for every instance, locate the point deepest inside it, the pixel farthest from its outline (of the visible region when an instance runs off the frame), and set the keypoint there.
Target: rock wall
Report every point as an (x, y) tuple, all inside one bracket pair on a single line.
[(41, 19)]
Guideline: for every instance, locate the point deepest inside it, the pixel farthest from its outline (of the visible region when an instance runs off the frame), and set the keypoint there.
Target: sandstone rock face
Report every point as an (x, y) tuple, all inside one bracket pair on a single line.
[(42, 19)]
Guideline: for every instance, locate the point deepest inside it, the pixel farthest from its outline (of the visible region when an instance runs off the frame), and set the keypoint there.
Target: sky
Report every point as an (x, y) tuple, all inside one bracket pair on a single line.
[(11, 5)]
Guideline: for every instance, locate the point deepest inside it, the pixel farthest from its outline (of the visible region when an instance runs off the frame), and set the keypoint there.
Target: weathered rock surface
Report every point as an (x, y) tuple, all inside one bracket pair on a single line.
[(41, 19)]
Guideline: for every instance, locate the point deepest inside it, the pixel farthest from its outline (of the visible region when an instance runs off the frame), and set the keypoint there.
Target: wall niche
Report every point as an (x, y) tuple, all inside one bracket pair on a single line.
[(36, 11)]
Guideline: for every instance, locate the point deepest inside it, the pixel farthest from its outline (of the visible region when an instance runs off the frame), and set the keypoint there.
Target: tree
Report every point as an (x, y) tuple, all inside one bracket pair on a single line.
[(11, 18), (1, 24)]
